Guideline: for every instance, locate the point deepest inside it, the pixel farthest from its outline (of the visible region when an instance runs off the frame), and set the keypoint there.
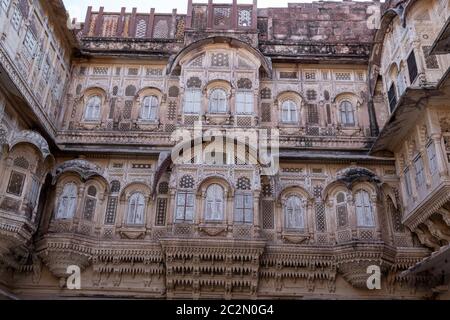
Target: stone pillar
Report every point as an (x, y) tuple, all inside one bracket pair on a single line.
[(80, 206), (279, 219), (171, 208), (256, 215), (441, 154), (352, 219)]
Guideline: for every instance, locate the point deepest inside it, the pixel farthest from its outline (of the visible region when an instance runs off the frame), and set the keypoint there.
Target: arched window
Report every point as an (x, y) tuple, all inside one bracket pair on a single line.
[(67, 202), (347, 114), (364, 211), (149, 110), (289, 112), (136, 205), (341, 210), (244, 102), (214, 203), (193, 101), (294, 214), (218, 101), (90, 203), (93, 108)]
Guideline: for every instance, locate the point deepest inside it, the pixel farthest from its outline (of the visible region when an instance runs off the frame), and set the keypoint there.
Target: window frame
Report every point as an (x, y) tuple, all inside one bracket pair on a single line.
[(88, 197), (152, 106), (218, 105), (70, 197), (30, 38), (16, 13), (88, 106), (215, 200), (300, 210), (23, 176), (367, 223), (245, 106), (344, 112), (240, 213), (341, 205), (392, 97), (190, 99), (139, 206), (185, 205), (289, 107)]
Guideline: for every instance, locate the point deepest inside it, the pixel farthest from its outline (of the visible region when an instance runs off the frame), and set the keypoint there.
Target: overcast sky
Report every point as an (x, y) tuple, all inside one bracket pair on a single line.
[(77, 8)]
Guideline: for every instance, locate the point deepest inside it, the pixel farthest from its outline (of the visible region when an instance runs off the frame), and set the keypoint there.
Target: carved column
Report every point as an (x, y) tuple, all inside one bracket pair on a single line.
[(279, 219), (79, 212), (376, 214), (440, 155), (353, 221), (256, 215)]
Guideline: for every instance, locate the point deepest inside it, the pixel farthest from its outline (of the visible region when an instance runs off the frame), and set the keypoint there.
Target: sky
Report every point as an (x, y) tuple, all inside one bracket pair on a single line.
[(77, 8)]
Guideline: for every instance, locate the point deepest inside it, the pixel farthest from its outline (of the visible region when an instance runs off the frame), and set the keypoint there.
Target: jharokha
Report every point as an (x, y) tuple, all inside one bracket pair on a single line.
[(355, 95)]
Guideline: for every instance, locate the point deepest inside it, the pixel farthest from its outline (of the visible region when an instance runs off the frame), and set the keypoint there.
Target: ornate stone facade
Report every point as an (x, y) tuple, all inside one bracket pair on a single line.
[(89, 118)]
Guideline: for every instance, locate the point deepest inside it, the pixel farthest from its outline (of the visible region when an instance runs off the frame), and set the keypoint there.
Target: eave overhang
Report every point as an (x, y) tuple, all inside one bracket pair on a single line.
[(437, 264), (442, 43)]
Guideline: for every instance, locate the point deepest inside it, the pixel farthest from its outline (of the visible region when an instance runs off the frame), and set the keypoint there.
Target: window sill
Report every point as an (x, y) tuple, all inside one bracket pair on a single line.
[(295, 236), (213, 229), (184, 222), (149, 122), (132, 232), (212, 222), (85, 121)]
